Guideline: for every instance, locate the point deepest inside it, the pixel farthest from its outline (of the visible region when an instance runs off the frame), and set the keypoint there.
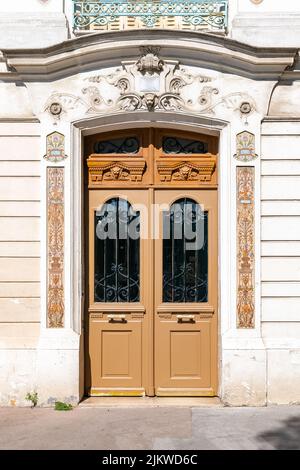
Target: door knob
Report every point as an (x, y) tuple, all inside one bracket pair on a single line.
[(185, 318)]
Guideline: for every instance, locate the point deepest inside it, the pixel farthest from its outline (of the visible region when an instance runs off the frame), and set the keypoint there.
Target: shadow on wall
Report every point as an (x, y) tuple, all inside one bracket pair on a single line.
[(286, 437)]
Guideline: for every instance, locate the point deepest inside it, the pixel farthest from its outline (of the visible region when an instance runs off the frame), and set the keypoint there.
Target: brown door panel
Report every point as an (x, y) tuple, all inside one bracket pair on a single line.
[(186, 331), (183, 356), (116, 356)]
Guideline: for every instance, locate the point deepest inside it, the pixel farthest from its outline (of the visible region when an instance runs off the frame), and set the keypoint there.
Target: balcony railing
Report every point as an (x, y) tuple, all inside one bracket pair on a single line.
[(131, 14)]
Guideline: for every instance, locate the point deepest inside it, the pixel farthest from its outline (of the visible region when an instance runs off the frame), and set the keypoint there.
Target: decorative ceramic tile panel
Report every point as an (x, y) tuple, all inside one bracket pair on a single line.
[(55, 147), (245, 147), (245, 247), (55, 248)]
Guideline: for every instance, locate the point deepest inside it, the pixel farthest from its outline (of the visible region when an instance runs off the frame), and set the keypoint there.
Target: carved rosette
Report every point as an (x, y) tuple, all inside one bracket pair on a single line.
[(196, 171), (245, 247), (55, 247), (104, 170)]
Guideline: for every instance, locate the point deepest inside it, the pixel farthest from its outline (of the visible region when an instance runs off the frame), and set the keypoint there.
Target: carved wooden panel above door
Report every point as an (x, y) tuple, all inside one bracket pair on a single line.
[(152, 157)]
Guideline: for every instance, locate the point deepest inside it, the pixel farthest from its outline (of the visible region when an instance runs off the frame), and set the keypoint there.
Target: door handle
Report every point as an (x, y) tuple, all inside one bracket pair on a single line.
[(117, 318), (185, 318)]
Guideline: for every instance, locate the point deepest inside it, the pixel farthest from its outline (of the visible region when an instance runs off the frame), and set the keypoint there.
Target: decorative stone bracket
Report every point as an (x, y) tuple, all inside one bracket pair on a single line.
[(103, 169), (198, 170)]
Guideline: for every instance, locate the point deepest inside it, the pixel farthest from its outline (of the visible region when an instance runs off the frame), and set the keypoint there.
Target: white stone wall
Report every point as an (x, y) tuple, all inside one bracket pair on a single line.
[(19, 257), (32, 23), (280, 246)]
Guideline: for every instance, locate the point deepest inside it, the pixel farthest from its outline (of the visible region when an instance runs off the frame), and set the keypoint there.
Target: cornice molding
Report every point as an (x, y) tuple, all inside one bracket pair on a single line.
[(281, 119), (105, 49)]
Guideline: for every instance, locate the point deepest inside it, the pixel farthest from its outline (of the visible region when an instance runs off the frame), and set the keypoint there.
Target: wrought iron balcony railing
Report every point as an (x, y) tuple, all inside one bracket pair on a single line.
[(92, 15)]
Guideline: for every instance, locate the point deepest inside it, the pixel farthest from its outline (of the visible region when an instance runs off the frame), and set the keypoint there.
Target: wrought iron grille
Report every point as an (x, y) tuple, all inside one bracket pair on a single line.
[(176, 145), (185, 270), (127, 145), (194, 14), (117, 254)]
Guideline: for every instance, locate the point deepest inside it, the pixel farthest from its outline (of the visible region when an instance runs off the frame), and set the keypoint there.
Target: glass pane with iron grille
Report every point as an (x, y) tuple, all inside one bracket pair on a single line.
[(117, 253), (126, 145), (177, 145), (185, 259)]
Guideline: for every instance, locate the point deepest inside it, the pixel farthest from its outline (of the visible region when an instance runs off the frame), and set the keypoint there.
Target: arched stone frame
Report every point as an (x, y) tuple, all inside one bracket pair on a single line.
[(227, 240), (236, 347)]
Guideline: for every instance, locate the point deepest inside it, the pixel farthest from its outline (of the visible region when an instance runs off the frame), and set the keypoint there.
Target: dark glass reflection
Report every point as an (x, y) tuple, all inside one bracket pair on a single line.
[(117, 253), (123, 145), (177, 145), (185, 264)]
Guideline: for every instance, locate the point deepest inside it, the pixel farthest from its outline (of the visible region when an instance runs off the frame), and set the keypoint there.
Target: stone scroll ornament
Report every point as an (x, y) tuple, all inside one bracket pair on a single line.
[(245, 147), (55, 147), (149, 83), (245, 247), (55, 247)]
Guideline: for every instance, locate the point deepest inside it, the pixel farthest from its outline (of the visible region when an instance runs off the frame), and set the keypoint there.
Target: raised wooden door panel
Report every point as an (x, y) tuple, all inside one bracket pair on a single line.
[(116, 356), (183, 355), (186, 296)]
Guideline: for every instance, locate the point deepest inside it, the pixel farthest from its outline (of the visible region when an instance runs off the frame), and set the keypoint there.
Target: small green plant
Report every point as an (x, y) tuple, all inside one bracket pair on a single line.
[(61, 406), (33, 397)]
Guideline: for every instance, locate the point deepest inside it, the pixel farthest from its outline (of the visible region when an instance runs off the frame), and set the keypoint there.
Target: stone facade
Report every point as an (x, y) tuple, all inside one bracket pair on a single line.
[(53, 80)]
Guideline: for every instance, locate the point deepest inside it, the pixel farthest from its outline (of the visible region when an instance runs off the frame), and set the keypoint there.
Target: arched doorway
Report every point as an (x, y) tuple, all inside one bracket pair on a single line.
[(152, 281)]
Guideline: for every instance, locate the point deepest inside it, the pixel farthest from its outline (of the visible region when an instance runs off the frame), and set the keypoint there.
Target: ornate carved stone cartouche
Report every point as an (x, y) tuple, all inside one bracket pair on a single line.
[(165, 87), (149, 62)]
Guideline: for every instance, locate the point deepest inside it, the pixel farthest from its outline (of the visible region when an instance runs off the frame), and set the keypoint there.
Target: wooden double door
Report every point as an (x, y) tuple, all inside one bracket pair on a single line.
[(152, 264)]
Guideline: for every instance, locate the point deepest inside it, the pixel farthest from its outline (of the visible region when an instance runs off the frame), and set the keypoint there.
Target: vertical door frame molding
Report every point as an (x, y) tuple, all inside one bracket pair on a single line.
[(81, 128), (230, 338), (57, 347)]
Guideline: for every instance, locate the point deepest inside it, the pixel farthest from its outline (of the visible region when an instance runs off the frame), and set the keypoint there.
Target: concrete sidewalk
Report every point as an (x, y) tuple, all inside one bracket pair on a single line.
[(156, 427)]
